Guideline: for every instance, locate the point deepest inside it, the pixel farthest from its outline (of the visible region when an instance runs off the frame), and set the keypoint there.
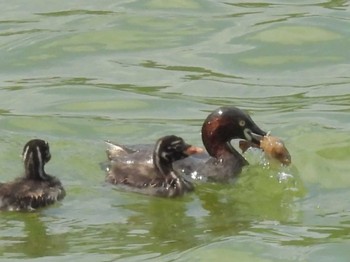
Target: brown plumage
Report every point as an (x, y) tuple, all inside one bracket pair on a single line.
[(158, 179), (36, 188), (222, 162)]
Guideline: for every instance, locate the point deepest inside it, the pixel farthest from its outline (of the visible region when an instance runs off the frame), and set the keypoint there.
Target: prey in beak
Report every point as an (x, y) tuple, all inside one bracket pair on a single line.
[(271, 145)]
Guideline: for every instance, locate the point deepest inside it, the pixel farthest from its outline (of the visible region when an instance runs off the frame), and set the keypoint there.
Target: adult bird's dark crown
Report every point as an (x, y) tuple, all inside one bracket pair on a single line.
[(225, 124)]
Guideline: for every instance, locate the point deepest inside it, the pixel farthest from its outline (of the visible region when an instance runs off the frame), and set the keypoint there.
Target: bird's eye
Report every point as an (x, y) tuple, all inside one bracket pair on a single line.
[(176, 146), (179, 148), (242, 123)]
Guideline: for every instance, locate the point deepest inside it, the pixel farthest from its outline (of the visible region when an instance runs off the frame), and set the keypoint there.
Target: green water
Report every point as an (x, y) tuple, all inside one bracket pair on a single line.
[(78, 72)]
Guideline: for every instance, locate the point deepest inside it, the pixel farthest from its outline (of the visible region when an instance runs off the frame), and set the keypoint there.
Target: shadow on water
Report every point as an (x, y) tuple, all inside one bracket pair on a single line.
[(299, 99), (77, 12), (198, 72), (335, 4), (34, 240)]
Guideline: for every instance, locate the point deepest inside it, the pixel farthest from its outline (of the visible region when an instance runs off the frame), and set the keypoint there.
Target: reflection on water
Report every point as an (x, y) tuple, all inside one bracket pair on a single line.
[(132, 71), (32, 238)]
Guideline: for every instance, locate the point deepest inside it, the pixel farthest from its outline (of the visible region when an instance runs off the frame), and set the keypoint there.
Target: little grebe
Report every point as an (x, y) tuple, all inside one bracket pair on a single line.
[(158, 179), (219, 128), (222, 162), (36, 188)]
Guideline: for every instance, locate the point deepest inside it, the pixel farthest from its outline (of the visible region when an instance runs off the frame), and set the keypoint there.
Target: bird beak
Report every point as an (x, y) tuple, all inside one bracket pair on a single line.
[(190, 150), (256, 138), (254, 134)]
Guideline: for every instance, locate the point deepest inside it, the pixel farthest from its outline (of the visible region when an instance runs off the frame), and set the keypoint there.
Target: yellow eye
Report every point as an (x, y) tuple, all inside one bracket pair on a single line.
[(242, 123)]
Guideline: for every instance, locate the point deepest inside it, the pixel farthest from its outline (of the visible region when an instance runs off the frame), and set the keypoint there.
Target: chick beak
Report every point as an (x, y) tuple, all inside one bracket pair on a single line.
[(190, 150)]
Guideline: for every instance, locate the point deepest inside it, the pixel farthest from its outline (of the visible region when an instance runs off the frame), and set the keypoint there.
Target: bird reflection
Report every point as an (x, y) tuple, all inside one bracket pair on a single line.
[(165, 223), (257, 195), (34, 241)]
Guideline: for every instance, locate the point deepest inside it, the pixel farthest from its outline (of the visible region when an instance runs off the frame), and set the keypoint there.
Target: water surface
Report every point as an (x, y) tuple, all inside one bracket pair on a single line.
[(76, 73)]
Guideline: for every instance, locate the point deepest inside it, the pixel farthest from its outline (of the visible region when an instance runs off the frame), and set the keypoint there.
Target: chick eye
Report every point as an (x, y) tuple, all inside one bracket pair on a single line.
[(179, 148), (242, 123)]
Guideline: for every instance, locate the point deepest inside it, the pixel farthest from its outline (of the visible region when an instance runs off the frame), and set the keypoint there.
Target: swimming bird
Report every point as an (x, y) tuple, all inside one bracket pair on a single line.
[(222, 162), (158, 178), (36, 188)]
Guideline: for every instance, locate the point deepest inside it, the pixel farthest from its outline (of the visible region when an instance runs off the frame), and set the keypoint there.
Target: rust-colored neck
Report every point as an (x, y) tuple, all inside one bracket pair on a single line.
[(216, 134)]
